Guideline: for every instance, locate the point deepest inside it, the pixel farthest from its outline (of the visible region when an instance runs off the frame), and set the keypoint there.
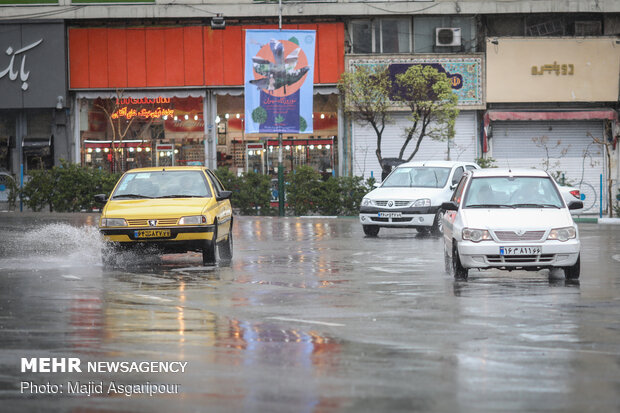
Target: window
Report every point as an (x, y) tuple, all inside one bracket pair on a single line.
[(381, 35)]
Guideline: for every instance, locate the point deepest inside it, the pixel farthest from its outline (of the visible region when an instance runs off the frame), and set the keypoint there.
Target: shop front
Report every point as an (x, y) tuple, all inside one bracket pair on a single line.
[(136, 131), (33, 130), (466, 74), (178, 105), (558, 110)]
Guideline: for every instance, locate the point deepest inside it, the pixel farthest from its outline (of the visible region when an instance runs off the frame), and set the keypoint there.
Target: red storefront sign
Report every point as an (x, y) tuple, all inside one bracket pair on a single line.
[(145, 57)]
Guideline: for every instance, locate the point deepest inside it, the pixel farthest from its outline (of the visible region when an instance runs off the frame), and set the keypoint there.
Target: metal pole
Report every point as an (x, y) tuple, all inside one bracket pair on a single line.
[(600, 203), (280, 163)]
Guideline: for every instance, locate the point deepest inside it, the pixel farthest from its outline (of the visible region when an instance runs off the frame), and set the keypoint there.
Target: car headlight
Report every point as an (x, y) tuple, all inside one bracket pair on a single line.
[(476, 235), (563, 234), (424, 202), (366, 202), (193, 220), (113, 222)]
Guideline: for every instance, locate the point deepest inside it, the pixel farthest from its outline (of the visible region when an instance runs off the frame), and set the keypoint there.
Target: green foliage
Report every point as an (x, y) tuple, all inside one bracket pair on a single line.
[(616, 205), (67, 188), (254, 194), (366, 95), (251, 191), (302, 190), (429, 96), (341, 195), (485, 162)]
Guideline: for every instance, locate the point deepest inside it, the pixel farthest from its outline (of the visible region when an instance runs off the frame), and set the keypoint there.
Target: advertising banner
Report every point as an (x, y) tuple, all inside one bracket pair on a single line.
[(279, 74)]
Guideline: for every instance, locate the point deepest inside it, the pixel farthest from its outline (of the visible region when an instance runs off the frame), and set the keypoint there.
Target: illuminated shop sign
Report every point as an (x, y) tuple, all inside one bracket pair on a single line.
[(142, 101), (129, 113)]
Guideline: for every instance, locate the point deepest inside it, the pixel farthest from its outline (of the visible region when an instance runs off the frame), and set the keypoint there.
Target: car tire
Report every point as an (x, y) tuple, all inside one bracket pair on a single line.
[(573, 272), (460, 272), (226, 248), (371, 230), (209, 249), (437, 228)]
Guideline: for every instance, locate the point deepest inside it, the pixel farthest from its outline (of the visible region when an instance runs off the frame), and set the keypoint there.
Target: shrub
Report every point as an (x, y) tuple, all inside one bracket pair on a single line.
[(66, 188), (254, 195), (302, 191)]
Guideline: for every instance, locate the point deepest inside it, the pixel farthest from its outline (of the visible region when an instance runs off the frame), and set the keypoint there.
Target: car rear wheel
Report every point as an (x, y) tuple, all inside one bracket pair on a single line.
[(573, 272), (371, 230), (460, 272), (437, 228), (209, 249)]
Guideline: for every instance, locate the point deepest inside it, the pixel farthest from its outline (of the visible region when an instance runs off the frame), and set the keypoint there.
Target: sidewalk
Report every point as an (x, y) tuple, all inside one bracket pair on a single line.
[(597, 220)]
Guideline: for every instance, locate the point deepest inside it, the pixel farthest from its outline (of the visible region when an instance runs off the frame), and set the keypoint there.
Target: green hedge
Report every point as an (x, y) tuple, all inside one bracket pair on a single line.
[(71, 188), (66, 188)]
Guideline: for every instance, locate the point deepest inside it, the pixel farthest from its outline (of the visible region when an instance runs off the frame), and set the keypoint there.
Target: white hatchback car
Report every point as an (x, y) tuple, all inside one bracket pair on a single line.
[(411, 196), (510, 219)]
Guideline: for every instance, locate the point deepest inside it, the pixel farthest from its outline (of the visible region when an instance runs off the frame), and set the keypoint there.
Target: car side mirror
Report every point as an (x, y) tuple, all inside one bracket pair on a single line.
[(454, 185), (575, 205), (101, 198), (449, 206), (376, 184), (224, 195)]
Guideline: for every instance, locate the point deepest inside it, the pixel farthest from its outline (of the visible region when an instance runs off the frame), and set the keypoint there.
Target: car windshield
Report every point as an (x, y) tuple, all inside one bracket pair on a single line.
[(417, 177), (162, 184), (512, 192)]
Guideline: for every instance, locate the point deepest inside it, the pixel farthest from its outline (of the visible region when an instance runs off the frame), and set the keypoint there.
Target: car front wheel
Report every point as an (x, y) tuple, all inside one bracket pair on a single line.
[(460, 272), (371, 230), (573, 272), (437, 228), (209, 249)]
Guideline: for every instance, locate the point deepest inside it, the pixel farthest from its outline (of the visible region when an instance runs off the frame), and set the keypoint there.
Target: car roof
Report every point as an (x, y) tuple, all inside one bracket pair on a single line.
[(508, 172), (167, 168), (445, 164)]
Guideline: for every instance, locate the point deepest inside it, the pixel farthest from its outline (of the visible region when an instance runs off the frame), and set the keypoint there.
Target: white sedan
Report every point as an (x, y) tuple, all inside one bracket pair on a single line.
[(510, 219)]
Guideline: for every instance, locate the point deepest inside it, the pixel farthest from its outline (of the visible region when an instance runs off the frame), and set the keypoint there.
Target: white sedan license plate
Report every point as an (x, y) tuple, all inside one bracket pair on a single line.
[(390, 214), (520, 250)]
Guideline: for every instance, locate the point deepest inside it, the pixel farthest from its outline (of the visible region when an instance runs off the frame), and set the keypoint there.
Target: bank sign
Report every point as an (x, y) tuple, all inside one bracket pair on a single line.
[(279, 75), (32, 65)]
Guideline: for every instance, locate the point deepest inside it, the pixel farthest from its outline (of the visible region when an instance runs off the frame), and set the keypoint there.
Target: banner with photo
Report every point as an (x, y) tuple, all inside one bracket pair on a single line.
[(279, 80)]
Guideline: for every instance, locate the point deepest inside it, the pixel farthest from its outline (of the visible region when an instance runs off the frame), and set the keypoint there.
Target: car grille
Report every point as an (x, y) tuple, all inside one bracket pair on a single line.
[(162, 222), (397, 204), (513, 236), (405, 219), (523, 259)]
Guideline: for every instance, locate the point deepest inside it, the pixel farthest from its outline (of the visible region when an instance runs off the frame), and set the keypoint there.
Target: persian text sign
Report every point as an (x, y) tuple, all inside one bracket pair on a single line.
[(279, 73), (464, 73)]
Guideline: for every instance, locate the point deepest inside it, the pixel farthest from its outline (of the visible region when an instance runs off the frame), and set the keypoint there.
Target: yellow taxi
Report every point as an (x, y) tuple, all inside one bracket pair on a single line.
[(173, 209)]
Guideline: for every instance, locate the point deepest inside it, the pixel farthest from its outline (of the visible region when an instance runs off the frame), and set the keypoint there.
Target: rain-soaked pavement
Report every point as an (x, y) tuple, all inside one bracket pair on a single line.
[(309, 317)]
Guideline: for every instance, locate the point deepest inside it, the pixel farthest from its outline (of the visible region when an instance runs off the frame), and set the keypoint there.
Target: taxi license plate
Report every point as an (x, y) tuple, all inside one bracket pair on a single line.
[(152, 233), (520, 250), (390, 214)]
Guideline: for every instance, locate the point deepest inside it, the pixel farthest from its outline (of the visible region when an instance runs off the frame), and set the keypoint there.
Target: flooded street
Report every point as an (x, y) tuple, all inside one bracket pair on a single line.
[(310, 316)]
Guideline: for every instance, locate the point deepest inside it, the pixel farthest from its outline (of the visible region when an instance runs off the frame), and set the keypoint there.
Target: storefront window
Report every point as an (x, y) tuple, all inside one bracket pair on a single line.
[(258, 153), (123, 133), (7, 138)]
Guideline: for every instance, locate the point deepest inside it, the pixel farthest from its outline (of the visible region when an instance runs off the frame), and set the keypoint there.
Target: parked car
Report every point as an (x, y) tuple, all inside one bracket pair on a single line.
[(173, 209), (510, 219), (571, 193), (411, 196)]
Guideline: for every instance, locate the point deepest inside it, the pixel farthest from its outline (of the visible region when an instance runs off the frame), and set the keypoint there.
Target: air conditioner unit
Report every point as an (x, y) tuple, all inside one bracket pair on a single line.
[(448, 36)]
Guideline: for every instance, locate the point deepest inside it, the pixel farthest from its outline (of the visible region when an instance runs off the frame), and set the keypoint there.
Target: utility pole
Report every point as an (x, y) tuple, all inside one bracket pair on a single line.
[(280, 163)]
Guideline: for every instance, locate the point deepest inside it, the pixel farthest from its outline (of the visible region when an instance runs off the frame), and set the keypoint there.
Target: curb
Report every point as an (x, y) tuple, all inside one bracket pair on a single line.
[(596, 220)]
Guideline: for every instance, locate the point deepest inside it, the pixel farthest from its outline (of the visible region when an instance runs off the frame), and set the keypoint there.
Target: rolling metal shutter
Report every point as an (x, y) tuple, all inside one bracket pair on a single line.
[(462, 148), (563, 146)]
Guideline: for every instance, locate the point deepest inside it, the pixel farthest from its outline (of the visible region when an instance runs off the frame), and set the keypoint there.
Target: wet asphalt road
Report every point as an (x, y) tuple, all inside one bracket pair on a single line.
[(309, 317)]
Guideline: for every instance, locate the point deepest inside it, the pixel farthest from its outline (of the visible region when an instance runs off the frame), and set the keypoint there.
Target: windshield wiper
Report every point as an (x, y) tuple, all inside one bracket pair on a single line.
[(535, 206), (131, 196), (181, 196), (488, 206)]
